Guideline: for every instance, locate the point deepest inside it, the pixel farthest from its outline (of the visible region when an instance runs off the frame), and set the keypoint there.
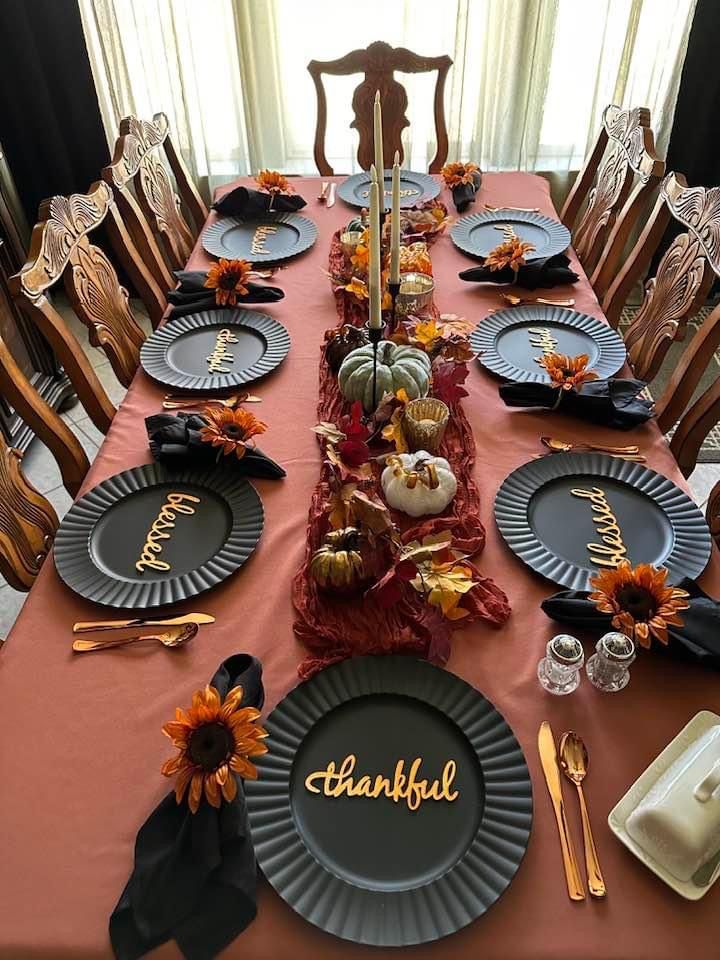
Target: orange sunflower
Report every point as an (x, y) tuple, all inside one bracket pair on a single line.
[(567, 372), (228, 278), (216, 740), (361, 258), (455, 174), (641, 603), (509, 253), (273, 182), (231, 430)]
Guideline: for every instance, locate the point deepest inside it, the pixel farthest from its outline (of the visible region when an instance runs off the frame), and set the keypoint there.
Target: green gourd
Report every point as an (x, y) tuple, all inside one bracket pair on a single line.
[(398, 368)]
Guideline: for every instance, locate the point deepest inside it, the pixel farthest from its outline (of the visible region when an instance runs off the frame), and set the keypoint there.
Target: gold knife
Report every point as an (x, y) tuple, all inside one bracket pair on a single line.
[(331, 195), (548, 758), (100, 625)]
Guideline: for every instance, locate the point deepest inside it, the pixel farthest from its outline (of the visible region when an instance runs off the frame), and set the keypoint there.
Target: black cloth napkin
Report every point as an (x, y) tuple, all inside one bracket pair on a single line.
[(175, 441), (610, 403), (464, 194), (192, 296), (251, 204), (194, 874), (546, 272), (697, 639)]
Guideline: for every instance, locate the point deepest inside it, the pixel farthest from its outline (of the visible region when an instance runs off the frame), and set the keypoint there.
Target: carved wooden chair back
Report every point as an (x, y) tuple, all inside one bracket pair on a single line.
[(60, 248), (378, 62), (611, 191), (712, 513), (157, 207)]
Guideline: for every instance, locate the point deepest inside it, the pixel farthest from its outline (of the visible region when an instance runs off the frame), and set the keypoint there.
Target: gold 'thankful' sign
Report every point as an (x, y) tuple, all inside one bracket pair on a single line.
[(400, 786), (612, 550), (257, 244), (165, 520), (221, 354), (541, 337)]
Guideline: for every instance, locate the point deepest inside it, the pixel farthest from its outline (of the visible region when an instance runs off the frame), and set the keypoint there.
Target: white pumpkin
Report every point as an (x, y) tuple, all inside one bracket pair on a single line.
[(418, 483), (398, 367)]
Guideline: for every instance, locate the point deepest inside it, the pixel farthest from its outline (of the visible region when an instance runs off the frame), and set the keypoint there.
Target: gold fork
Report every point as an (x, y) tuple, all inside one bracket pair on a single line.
[(178, 402), (172, 637), (514, 301)]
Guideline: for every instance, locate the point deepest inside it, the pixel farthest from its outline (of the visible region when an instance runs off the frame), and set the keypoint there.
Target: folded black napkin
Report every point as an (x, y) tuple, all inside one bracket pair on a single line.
[(546, 272), (175, 441), (697, 639), (250, 204), (611, 403), (192, 296), (464, 194), (194, 874)]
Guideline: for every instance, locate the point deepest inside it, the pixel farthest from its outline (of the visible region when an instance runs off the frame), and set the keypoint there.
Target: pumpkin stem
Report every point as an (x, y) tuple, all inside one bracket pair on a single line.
[(388, 349), (432, 477)]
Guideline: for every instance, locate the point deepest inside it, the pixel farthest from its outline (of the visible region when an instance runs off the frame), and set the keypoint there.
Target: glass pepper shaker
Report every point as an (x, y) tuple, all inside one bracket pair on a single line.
[(559, 670), (609, 668)]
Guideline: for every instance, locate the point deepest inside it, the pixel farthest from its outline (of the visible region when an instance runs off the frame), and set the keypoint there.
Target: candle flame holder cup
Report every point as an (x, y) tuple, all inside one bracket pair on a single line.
[(424, 423), (415, 294), (349, 240)]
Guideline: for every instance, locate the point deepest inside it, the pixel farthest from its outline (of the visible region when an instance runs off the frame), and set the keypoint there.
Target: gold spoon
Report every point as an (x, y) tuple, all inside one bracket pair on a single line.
[(173, 637), (574, 764), (564, 446)]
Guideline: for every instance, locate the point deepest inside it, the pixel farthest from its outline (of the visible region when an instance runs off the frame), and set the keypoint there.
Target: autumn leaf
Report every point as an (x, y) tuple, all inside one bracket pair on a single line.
[(450, 324), (358, 288), (349, 471), (329, 432), (371, 513), (426, 335), (457, 349), (448, 378), (341, 513)]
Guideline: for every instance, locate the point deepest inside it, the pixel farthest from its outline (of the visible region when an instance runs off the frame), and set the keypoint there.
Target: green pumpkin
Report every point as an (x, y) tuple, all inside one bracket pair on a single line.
[(357, 225), (398, 367)]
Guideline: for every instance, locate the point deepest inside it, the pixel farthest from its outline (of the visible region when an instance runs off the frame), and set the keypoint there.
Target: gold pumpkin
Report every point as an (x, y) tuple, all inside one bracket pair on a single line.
[(337, 564)]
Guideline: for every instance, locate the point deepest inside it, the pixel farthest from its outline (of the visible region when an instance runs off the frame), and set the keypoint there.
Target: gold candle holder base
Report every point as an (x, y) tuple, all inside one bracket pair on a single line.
[(415, 294), (424, 423)]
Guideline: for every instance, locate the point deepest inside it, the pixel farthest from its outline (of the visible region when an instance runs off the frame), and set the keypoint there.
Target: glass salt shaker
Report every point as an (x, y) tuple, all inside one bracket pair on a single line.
[(559, 670), (609, 668)]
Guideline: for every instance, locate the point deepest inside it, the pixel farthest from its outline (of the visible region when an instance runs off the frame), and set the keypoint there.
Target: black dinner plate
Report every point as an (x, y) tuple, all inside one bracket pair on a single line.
[(414, 188), (510, 341), (550, 528), (176, 354), (103, 535), (370, 869), (285, 235), (477, 234)]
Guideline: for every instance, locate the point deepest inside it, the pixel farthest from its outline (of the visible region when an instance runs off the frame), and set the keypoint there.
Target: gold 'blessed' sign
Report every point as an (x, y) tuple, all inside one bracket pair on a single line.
[(541, 337), (401, 786), (388, 193), (612, 550), (175, 503), (221, 354), (257, 245)]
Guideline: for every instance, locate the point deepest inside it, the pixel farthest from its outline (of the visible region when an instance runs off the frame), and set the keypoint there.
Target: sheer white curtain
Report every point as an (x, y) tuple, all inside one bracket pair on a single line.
[(528, 85)]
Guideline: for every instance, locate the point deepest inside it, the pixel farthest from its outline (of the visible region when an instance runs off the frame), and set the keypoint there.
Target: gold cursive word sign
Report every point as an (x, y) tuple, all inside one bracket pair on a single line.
[(541, 337), (175, 503), (221, 354), (388, 193), (401, 786), (261, 234), (612, 550)]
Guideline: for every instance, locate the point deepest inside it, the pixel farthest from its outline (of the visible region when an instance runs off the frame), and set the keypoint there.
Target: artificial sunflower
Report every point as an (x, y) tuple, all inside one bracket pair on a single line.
[(230, 430), (641, 604), (565, 372), (455, 174), (228, 278), (509, 253), (216, 740), (273, 182)]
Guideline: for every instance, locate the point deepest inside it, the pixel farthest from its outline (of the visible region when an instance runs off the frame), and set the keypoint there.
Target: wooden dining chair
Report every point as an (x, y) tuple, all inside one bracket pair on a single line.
[(60, 248), (611, 192), (712, 513), (156, 208), (379, 62)]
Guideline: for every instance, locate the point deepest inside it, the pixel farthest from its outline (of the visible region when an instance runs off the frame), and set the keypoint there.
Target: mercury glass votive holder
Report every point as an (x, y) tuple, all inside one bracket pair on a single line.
[(424, 423), (415, 294), (349, 240)]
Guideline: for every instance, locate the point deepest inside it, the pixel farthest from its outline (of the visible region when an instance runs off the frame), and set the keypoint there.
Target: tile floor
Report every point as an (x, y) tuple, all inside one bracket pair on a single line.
[(40, 467)]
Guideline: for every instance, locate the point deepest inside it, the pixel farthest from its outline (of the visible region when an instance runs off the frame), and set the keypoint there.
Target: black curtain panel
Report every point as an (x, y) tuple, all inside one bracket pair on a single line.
[(50, 124)]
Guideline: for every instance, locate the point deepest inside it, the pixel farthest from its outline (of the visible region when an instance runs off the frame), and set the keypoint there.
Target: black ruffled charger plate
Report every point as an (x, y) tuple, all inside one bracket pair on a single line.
[(371, 870), (104, 532), (232, 237), (414, 188), (176, 354), (477, 234), (550, 528), (507, 341)]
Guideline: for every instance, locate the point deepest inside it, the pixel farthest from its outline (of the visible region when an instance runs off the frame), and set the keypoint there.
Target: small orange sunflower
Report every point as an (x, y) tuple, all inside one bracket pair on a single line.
[(231, 430), (361, 258), (228, 278), (509, 253), (358, 288), (455, 174), (273, 182), (641, 604), (567, 372), (216, 740)]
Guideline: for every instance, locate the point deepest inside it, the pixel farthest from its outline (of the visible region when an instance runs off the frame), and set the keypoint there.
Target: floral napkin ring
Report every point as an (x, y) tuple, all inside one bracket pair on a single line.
[(567, 373), (231, 430), (229, 280), (459, 174), (272, 182)]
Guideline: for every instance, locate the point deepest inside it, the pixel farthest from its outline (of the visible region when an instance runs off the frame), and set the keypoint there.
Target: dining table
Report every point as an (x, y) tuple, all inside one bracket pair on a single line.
[(81, 744)]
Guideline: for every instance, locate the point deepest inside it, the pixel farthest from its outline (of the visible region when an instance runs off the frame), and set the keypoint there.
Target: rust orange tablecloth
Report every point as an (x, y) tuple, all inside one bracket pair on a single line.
[(81, 748)]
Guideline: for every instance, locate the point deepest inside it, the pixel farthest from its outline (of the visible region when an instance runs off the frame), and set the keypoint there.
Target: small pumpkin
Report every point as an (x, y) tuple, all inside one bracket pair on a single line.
[(341, 342), (338, 564), (358, 224), (398, 367), (418, 483)]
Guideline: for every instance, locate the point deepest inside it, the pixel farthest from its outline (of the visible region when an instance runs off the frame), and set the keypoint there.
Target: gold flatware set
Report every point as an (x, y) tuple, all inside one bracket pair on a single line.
[(492, 209), (629, 452), (514, 301), (170, 631), (574, 763), (178, 401)]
